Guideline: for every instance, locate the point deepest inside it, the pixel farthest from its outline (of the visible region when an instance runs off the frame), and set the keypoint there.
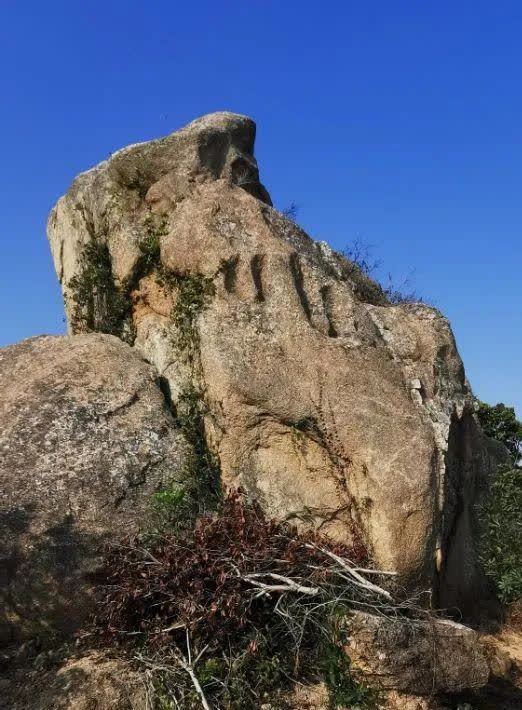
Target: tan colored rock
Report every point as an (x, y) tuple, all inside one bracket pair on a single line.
[(316, 697), (333, 406), (95, 681), (400, 701), (504, 648), (308, 697), (86, 438), (421, 658)]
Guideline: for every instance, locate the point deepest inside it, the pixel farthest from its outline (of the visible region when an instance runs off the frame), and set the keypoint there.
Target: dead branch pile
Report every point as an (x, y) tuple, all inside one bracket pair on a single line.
[(235, 605)]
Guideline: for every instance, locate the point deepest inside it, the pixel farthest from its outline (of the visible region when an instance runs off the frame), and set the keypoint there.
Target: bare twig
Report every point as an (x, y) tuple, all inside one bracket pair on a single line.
[(287, 584), (363, 570), (187, 666), (357, 578)]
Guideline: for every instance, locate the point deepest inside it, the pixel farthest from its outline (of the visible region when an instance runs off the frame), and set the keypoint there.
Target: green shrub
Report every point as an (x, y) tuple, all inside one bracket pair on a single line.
[(500, 423), (102, 305), (203, 471), (172, 508), (194, 294), (345, 690), (99, 304), (501, 551), (149, 245)]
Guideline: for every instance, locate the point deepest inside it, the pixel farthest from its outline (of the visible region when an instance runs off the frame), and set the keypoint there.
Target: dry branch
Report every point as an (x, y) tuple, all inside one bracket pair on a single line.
[(356, 578)]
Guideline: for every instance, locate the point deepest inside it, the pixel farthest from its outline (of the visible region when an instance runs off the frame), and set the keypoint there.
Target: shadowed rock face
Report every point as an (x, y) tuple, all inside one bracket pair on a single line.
[(86, 438), (417, 657), (331, 405)]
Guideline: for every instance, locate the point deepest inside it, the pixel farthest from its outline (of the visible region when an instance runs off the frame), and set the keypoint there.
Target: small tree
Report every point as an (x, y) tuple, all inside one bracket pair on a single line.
[(502, 533), (291, 211), (500, 423), (501, 514)]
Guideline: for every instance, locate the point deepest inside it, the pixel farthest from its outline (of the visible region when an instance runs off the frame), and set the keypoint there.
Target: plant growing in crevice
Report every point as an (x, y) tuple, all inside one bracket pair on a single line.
[(149, 244), (204, 466), (358, 266), (155, 226), (197, 487), (345, 689), (172, 508), (194, 292), (138, 180), (99, 304)]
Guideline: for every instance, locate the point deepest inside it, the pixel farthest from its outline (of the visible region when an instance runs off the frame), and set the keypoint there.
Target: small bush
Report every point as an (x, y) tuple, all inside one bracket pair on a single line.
[(291, 211), (99, 304), (345, 689), (359, 267), (502, 533), (500, 423), (172, 508), (203, 473), (197, 489), (194, 294), (401, 293), (149, 245)]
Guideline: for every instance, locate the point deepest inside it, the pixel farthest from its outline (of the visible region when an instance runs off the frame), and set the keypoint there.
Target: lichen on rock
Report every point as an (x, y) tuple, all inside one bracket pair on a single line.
[(86, 440)]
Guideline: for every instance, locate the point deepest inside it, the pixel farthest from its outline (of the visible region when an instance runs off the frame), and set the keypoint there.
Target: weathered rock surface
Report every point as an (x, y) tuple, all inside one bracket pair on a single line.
[(422, 658), (399, 701), (97, 680), (94, 681), (86, 437), (504, 648), (332, 405)]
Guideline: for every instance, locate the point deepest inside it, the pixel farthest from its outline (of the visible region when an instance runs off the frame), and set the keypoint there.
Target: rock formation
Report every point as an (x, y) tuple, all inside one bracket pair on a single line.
[(86, 438), (332, 405), (189, 297)]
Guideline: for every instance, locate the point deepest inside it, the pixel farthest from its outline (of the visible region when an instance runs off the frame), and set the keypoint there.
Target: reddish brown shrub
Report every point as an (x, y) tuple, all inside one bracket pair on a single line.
[(196, 578)]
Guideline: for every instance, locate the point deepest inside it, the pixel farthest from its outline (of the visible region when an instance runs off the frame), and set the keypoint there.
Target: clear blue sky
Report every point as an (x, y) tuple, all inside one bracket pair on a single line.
[(399, 123)]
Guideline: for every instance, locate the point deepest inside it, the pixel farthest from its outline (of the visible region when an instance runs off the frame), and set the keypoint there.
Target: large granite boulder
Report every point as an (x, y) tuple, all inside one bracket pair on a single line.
[(86, 438), (332, 405)]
